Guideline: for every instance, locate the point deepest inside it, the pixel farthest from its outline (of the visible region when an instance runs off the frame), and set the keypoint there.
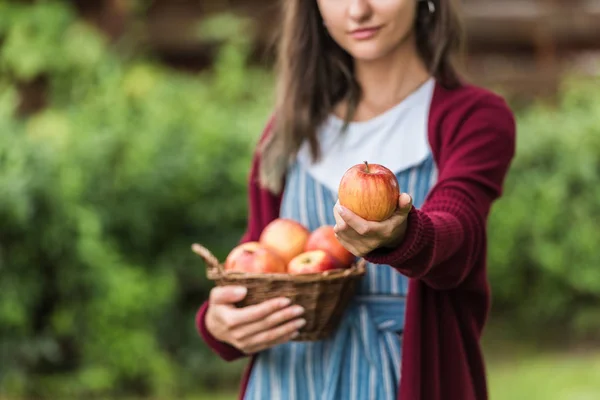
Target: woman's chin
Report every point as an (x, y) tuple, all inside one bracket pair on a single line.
[(366, 53)]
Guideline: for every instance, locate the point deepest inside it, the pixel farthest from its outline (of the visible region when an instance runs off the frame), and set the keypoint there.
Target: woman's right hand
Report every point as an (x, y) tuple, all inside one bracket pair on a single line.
[(252, 328)]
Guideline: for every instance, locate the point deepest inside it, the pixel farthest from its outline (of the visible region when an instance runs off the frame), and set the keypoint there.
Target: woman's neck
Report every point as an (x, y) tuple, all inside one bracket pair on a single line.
[(389, 80)]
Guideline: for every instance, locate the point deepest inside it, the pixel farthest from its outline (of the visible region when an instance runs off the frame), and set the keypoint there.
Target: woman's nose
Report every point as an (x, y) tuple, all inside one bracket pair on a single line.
[(359, 10)]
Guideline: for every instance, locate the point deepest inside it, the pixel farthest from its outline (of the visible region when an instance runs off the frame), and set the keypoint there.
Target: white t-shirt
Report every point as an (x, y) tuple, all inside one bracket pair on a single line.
[(396, 139)]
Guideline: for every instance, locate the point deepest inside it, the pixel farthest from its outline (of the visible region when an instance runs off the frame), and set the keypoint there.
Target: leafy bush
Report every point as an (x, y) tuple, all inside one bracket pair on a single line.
[(544, 232), (102, 194)]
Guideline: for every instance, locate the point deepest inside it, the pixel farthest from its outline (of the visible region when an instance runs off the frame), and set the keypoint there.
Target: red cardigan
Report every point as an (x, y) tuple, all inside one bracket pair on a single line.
[(472, 137)]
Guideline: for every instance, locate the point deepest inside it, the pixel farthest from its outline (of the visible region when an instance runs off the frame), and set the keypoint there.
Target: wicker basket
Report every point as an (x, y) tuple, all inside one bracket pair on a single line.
[(324, 296)]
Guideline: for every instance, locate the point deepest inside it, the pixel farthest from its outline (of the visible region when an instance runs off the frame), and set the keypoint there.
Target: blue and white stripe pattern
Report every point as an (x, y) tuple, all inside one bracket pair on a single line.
[(361, 361)]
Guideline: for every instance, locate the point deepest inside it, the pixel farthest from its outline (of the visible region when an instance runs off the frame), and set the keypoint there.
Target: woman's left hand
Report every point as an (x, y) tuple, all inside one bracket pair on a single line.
[(361, 237)]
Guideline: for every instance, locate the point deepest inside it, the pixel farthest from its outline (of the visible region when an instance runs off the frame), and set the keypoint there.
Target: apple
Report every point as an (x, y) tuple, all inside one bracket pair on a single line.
[(371, 191), (255, 258), (323, 238), (310, 262), (286, 237)]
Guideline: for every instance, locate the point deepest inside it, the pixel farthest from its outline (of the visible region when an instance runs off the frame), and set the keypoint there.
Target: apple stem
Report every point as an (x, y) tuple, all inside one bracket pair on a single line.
[(367, 166)]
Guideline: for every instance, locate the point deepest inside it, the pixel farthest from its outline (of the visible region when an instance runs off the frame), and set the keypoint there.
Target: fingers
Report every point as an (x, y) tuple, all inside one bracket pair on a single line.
[(236, 317), (227, 294), (360, 225), (259, 326), (405, 203), (271, 321), (340, 224), (273, 337), (360, 236)]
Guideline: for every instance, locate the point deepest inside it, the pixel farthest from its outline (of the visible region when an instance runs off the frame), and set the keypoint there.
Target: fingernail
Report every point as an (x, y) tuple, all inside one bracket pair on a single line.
[(285, 302), (298, 310), (295, 335), (340, 209), (240, 291), (300, 323)]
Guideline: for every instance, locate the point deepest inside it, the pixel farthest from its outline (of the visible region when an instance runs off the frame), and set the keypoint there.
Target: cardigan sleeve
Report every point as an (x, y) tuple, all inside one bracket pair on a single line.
[(446, 236), (224, 350)]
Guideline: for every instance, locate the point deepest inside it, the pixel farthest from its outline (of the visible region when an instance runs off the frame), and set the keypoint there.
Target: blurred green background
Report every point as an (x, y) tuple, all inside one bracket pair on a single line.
[(115, 157)]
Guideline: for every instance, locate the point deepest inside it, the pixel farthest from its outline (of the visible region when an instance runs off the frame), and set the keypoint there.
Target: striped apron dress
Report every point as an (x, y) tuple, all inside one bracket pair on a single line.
[(361, 361)]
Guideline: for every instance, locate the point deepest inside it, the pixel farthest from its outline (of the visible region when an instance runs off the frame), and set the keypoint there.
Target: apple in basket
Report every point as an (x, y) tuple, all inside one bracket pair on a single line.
[(253, 257), (311, 262), (285, 237), (371, 191), (324, 238)]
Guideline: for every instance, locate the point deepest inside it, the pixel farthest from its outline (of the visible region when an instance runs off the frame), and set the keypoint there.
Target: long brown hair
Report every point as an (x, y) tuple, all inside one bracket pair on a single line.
[(315, 73)]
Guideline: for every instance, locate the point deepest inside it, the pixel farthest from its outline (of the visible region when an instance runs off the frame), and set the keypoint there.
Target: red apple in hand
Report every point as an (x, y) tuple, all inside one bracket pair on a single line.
[(254, 258), (311, 262), (370, 191), (323, 238), (285, 237)]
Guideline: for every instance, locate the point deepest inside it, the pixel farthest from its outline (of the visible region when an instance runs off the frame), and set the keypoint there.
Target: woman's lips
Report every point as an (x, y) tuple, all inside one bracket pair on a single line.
[(364, 33)]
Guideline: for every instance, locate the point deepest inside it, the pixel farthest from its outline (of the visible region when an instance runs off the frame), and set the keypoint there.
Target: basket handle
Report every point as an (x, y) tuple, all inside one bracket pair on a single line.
[(209, 258)]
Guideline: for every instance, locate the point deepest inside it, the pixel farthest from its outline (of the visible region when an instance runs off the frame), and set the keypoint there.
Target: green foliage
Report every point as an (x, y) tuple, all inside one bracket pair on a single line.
[(102, 194), (46, 38), (544, 231)]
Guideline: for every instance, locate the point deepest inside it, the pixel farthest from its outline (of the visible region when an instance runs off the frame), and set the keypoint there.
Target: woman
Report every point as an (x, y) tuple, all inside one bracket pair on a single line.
[(373, 80)]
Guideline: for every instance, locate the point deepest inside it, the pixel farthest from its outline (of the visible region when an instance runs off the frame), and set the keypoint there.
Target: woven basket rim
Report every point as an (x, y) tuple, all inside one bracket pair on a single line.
[(215, 270)]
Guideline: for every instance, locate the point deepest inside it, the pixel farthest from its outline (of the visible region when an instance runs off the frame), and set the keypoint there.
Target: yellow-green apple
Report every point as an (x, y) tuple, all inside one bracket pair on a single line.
[(253, 257), (285, 237), (371, 191), (311, 262), (323, 238)]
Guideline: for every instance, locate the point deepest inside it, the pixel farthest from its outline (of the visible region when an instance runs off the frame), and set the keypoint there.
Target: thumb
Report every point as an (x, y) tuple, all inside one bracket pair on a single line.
[(227, 295), (405, 203), (352, 220)]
